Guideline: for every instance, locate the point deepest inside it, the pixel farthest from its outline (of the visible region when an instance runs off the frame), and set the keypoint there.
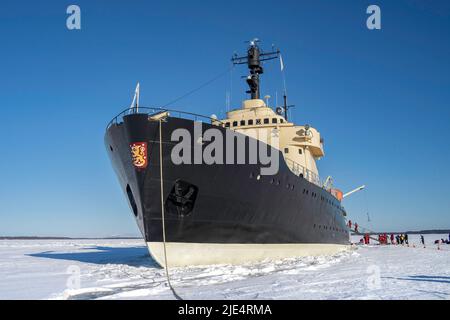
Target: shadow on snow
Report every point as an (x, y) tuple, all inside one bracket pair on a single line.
[(132, 256), (440, 279)]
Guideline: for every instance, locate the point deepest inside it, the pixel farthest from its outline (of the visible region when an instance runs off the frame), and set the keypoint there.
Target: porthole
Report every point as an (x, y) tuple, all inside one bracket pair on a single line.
[(258, 177), (111, 148)]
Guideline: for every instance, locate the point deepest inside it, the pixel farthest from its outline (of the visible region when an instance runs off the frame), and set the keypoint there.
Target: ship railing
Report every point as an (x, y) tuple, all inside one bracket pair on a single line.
[(157, 110), (295, 167), (301, 171)]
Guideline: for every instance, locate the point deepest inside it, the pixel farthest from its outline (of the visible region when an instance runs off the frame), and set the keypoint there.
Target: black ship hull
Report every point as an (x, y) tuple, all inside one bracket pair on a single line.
[(220, 213)]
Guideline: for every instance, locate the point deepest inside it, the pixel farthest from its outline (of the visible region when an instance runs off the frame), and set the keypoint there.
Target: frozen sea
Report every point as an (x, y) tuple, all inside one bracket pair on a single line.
[(123, 269)]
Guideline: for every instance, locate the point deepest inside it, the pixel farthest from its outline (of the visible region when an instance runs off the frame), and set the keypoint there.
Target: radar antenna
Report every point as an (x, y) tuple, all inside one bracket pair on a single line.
[(253, 60)]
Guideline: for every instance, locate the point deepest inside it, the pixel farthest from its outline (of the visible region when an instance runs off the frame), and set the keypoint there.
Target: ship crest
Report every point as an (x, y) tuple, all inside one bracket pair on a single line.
[(139, 154)]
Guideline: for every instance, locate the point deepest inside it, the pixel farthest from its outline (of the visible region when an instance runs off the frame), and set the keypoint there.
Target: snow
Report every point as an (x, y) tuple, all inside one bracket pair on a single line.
[(123, 269)]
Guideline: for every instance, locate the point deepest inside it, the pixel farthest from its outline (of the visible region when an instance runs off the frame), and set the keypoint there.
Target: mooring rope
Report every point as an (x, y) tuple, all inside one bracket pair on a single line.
[(166, 266)]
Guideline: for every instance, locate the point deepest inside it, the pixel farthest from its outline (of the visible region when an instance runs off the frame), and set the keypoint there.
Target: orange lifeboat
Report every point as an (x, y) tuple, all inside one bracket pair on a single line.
[(337, 194)]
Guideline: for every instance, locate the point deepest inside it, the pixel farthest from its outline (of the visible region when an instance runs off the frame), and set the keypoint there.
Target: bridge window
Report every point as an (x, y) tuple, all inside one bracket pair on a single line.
[(227, 125), (281, 120), (250, 122), (258, 121), (242, 122), (300, 151), (274, 120), (266, 120), (235, 123), (286, 150)]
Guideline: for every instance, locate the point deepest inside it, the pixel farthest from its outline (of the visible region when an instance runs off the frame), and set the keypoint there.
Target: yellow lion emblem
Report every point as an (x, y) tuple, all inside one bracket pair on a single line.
[(139, 154)]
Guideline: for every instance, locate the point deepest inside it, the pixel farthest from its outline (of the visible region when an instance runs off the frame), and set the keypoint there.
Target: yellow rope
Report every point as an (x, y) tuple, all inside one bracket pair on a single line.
[(166, 266)]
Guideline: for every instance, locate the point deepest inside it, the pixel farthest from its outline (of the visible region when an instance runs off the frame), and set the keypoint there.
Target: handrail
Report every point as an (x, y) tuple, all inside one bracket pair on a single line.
[(298, 170), (154, 110)]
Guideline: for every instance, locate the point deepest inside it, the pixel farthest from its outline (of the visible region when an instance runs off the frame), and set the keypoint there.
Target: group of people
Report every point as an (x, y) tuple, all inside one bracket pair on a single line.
[(443, 241), (400, 239), (384, 239), (355, 225), (394, 239)]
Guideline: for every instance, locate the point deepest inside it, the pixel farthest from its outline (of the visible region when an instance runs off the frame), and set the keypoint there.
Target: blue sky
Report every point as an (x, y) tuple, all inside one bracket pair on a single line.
[(381, 99)]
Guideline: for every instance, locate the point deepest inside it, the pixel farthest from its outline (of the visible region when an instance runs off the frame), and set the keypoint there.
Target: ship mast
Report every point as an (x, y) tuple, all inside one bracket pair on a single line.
[(253, 60)]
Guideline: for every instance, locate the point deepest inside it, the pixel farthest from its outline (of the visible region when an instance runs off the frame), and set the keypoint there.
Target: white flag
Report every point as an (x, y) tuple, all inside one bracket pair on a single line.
[(281, 63)]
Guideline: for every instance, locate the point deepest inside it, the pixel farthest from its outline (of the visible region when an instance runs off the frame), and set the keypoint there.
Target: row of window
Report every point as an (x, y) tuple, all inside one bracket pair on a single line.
[(250, 122), (328, 228), (305, 191), (322, 198), (286, 150)]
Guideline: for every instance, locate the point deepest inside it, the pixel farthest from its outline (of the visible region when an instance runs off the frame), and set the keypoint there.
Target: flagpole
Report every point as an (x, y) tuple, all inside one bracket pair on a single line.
[(283, 76), (135, 103), (137, 97)]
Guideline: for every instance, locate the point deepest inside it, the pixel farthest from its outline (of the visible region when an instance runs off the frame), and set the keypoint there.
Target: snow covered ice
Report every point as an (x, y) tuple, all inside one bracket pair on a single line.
[(123, 269)]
